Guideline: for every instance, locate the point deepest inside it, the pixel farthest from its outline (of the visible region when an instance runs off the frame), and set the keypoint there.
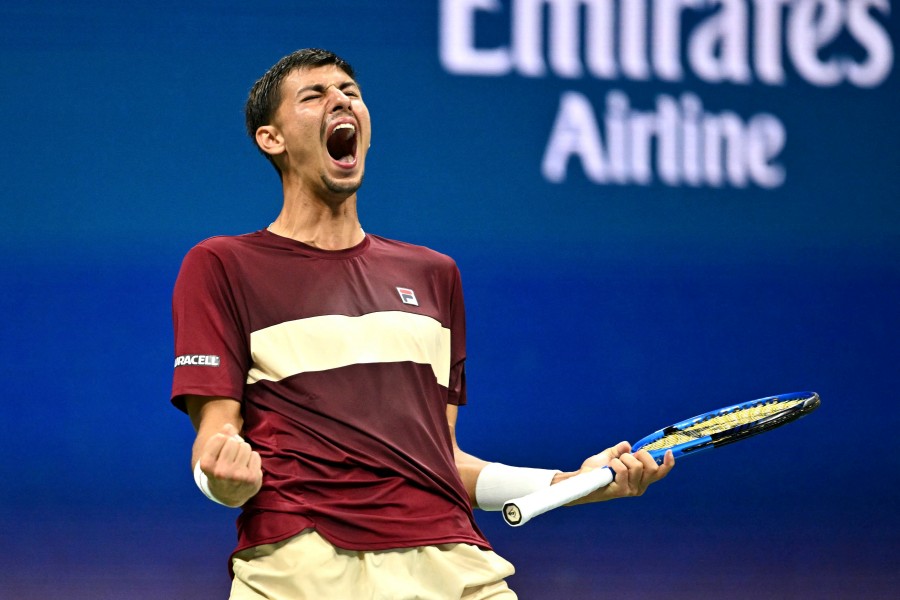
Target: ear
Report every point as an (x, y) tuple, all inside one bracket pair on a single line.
[(269, 139)]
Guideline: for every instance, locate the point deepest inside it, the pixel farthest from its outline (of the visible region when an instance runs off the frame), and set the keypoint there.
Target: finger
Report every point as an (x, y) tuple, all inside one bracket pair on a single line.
[(646, 459), (650, 468), (255, 464), (217, 441), (252, 473), (621, 479), (625, 480), (630, 460), (668, 463), (211, 450), (606, 457), (617, 467), (241, 454), (619, 449), (635, 471), (231, 451), (660, 470), (245, 453)]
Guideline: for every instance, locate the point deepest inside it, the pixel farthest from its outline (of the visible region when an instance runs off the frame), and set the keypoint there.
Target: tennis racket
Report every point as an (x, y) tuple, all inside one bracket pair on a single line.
[(703, 432)]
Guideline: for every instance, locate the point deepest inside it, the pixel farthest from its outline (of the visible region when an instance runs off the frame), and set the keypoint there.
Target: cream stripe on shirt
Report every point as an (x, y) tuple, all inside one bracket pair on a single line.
[(332, 341)]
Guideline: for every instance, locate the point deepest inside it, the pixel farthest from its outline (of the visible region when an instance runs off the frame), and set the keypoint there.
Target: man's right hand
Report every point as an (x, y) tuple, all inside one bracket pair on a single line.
[(233, 468)]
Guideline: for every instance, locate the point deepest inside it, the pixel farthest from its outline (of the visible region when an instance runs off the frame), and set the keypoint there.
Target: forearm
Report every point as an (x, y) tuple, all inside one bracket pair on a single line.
[(490, 485), (496, 484), (469, 468), (209, 414)]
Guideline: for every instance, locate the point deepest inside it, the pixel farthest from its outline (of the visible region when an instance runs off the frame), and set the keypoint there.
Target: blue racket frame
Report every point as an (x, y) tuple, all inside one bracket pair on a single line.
[(810, 402)]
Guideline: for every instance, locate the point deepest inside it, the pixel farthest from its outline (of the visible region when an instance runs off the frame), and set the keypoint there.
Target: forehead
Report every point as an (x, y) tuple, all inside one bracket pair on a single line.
[(324, 75)]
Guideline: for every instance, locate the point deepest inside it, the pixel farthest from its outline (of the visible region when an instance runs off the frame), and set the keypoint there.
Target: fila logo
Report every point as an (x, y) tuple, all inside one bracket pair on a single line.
[(407, 296), (199, 360)]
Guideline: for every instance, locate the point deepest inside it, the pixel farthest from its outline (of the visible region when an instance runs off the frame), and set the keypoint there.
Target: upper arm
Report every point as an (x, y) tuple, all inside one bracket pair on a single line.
[(209, 325)]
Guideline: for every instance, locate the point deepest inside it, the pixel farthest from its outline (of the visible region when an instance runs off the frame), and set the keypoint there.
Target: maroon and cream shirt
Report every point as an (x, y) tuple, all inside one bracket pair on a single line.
[(344, 363)]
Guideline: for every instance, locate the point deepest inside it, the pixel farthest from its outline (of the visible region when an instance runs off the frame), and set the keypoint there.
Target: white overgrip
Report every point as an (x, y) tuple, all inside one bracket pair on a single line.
[(519, 511)]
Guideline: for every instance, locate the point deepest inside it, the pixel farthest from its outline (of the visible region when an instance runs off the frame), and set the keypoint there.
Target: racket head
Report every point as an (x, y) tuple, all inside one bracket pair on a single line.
[(728, 425)]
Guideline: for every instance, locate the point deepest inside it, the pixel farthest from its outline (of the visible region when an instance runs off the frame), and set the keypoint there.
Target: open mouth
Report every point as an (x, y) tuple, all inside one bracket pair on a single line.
[(341, 143)]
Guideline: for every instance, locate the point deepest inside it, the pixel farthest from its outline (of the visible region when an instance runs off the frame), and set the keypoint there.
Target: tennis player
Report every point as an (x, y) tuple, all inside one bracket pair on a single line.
[(323, 368)]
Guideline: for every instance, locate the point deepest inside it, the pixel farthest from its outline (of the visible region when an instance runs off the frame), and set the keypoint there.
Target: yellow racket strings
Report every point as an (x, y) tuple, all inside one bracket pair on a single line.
[(716, 423)]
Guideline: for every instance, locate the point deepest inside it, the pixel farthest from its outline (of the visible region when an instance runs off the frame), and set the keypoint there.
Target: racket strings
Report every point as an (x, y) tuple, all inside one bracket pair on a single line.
[(717, 423)]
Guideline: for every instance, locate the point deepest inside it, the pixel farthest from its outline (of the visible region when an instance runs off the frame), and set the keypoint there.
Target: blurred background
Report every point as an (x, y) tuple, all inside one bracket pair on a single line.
[(658, 208)]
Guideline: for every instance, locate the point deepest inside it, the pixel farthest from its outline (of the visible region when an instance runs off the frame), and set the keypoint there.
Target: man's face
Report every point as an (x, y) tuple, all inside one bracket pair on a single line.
[(325, 129)]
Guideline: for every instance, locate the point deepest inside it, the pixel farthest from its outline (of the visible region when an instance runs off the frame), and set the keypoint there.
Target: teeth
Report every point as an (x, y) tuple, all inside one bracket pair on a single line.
[(345, 126)]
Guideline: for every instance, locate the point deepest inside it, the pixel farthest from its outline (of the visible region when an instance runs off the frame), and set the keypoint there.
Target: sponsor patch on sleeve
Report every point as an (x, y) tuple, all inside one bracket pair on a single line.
[(197, 360)]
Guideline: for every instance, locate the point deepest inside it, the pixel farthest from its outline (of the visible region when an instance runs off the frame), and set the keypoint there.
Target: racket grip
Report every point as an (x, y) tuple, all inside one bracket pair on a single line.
[(519, 511)]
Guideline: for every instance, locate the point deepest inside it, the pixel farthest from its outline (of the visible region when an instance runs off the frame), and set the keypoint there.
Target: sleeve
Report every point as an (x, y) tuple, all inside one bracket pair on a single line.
[(211, 346), (457, 386)]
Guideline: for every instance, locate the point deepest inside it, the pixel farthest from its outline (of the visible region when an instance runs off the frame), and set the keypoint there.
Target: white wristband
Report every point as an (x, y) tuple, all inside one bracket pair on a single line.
[(202, 482), (498, 483)]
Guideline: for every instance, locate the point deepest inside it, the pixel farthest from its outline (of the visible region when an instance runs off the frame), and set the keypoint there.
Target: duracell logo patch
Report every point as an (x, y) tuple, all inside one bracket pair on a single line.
[(197, 360)]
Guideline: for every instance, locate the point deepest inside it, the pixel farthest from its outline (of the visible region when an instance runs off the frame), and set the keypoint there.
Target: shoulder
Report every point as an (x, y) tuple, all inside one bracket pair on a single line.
[(412, 252), (224, 244), (217, 256), (225, 248)]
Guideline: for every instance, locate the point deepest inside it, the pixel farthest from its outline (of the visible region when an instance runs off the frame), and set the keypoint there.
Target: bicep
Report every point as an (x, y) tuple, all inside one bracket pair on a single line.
[(209, 328)]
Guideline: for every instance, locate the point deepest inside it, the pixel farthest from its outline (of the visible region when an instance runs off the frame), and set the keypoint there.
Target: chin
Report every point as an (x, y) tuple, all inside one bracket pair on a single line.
[(342, 186)]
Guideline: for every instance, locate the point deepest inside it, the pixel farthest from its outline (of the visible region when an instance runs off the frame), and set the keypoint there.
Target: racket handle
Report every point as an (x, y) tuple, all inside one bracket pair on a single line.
[(521, 510)]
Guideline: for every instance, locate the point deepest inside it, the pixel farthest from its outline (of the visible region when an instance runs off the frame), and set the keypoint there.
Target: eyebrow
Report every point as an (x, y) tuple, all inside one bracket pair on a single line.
[(319, 87)]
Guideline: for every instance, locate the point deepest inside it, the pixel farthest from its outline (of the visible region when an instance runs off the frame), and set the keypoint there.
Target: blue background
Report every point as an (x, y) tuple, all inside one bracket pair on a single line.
[(596, 313)]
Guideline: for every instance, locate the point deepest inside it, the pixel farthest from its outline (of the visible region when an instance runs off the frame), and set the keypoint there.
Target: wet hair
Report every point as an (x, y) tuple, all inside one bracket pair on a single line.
[(265, 95)]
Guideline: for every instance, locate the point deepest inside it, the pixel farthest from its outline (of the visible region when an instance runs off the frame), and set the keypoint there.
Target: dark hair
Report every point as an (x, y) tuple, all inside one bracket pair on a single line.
[(265, 95)]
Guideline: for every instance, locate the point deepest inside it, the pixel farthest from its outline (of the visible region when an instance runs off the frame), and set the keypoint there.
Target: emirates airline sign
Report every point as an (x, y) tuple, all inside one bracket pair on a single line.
[(685, 45)]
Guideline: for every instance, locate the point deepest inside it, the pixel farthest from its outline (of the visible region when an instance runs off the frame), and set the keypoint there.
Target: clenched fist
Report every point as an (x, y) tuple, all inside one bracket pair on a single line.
[(233, 468)]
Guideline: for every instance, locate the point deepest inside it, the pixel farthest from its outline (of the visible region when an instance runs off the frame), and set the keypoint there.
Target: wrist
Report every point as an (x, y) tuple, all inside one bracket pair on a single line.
[(560, 476), (498, 483)]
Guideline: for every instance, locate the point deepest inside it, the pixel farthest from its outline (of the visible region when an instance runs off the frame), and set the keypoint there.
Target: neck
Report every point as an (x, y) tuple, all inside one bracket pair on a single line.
[(329, 225)]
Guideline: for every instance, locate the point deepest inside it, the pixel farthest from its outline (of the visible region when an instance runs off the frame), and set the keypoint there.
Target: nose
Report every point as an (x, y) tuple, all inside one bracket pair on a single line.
[(338, 99)]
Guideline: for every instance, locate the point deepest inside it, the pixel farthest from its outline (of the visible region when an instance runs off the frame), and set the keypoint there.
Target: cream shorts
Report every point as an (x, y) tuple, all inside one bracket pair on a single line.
[(307, 566)]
